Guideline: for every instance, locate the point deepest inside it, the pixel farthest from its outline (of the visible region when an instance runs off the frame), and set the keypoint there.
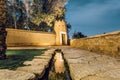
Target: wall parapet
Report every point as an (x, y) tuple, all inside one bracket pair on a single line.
[(108, 43), (28, 31)]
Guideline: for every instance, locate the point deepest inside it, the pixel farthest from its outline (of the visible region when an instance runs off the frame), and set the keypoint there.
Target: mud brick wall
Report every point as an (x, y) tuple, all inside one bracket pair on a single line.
[(104, 44), (18, 38)]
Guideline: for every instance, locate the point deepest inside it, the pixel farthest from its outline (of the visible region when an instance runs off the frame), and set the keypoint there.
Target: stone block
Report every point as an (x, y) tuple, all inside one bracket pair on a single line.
[(37, 62), (37, 70), (106, 44), (15, 75)]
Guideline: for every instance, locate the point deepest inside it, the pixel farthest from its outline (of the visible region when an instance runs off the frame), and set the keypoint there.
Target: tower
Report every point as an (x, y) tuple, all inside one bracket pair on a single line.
[(61, 32)]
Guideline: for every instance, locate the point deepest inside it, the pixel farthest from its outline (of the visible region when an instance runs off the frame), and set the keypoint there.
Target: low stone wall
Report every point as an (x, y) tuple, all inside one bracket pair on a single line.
[(29, 38), (105, 44)]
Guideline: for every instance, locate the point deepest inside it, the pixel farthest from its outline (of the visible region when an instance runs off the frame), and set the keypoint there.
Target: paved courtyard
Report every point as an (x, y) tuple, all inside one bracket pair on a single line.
[(33, 70), (85, 65)]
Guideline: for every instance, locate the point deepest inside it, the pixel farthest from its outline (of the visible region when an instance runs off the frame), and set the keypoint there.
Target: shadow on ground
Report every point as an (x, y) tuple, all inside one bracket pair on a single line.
[(16, 58)]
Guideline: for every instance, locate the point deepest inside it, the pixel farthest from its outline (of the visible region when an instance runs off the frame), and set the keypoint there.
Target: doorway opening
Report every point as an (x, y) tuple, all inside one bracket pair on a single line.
[(63, 39)]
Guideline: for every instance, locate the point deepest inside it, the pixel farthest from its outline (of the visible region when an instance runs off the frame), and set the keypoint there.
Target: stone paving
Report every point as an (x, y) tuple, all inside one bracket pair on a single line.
[(85, 65), (38, 65), (31, 71), (15, 75)]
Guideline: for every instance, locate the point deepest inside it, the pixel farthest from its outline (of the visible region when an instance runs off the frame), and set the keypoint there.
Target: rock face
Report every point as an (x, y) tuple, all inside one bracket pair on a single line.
[(85, 65), (105, 43), (15, 75)]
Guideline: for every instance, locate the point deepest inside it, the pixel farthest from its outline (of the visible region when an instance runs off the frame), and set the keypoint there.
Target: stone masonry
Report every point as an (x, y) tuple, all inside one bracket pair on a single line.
[(106, 43), (85, 65), (60, 29), (33, 70), (21, 38)]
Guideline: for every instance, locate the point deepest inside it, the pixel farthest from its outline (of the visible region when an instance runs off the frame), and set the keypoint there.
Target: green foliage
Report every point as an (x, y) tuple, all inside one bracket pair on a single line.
[(77, 35), (51, 11), (39, 18), (16, 14), (17, 57), (23, 14), (68, 27)]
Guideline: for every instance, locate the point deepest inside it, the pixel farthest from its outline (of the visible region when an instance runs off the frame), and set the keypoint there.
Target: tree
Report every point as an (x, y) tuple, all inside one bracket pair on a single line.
[(68, 30), (2, 29), (51, 10), (52, 6), (77, 35), (68, 27), (55, 7), (23, 14), (16, 14)]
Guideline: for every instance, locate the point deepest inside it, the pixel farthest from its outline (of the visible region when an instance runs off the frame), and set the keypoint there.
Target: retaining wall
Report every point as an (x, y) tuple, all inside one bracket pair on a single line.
[(105, 44), (17, 38)]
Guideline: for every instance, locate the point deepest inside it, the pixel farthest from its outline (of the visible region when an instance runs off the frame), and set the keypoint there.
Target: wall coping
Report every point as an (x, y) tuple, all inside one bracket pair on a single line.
[(29, 31), (101, 35)]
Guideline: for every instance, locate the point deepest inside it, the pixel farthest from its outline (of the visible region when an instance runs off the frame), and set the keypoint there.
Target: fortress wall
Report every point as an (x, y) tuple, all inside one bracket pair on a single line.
[(29, 38), (105, 44)]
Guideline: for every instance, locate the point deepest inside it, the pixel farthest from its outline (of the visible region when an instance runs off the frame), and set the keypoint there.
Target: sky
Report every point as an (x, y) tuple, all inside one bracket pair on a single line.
[(92, 17)]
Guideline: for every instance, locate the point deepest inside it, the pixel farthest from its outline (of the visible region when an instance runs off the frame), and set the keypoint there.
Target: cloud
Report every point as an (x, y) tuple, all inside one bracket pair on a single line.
[(101, 14)]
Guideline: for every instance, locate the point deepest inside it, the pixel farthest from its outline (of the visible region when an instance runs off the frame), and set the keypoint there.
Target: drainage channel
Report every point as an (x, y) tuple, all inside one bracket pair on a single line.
[(58, 68)]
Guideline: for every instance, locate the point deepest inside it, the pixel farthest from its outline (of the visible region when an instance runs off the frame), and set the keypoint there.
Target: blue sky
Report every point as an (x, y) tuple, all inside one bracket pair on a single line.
[(93, 17)]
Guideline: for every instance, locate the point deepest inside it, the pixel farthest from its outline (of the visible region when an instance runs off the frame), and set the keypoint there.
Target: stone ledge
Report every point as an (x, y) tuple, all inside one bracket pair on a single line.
[(37, 62), (42, 57), (15, 75), (37, 70), (38, 65)]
